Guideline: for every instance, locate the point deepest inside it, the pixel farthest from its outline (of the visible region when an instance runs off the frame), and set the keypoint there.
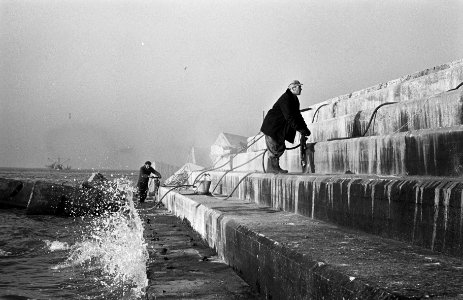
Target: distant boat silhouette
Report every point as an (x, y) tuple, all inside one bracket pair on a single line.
[(57, 164)]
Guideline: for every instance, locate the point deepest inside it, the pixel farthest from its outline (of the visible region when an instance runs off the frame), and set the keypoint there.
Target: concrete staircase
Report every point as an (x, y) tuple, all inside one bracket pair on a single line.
[(381, 217)]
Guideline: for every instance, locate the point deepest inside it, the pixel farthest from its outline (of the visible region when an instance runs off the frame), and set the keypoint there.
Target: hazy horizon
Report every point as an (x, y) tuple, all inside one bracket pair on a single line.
[(110, 84)]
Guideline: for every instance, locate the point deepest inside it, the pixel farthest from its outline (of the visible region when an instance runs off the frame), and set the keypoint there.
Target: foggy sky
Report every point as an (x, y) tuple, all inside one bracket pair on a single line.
[(110, 84)]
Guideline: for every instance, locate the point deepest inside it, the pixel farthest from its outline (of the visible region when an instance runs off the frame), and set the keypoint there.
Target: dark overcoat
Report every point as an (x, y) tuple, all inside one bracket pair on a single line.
[(143, 177), (284, 119)]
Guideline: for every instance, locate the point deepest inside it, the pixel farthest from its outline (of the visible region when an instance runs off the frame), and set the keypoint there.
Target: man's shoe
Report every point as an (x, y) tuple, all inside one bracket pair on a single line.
[(270, 166), (282, 171), (277, 166), (275, 162)]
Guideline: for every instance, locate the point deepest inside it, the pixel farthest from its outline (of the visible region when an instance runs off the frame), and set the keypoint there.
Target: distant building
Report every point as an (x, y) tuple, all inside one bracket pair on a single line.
[(226, 145)]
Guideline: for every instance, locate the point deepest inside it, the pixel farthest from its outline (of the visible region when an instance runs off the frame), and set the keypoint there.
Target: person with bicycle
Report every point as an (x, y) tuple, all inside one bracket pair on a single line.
[(143, 179)]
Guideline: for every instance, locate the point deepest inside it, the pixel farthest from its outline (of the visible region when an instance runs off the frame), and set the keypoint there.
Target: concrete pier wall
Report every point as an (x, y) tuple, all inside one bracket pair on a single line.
[(48, 198), (427, 212), (15, 193), (271, 268), (284, 255)]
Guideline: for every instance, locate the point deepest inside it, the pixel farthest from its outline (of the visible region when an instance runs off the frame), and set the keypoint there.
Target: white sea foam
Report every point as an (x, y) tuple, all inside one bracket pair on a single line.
[(4, 253), (56, 245)]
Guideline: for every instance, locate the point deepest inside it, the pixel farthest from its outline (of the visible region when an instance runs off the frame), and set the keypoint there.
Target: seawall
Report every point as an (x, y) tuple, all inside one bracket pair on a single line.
[(289, 256)]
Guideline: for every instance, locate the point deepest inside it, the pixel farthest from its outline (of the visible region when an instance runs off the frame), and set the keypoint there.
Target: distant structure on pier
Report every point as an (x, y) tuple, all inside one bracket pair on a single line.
[(227, 144), (199, 156)]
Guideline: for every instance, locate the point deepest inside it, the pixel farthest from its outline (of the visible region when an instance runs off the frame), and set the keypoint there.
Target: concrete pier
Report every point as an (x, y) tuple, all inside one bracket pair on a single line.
[(378, 217), (288, 256)]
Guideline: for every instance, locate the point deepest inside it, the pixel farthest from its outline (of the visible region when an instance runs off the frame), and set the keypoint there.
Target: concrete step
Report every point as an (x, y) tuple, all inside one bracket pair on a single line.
[(419, 85), (288, 256), (422, 211), (427, 152), (443, 110)]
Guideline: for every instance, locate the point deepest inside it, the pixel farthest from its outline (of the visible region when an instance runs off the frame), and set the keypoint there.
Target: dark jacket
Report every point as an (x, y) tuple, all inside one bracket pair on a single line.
[(143, 177), (284, 119)]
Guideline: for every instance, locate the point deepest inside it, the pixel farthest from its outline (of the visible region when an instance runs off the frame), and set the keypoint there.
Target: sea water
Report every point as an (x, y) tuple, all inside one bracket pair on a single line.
[(90, 257)]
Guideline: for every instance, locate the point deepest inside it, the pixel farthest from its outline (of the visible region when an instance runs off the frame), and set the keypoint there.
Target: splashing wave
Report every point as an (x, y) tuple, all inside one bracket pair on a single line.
[(113, 249)]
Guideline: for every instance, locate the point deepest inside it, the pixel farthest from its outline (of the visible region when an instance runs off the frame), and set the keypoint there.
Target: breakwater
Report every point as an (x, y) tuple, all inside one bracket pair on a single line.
[(378, 215)]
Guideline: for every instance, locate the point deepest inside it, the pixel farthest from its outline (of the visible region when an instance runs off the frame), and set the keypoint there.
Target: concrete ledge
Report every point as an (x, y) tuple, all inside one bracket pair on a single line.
[(419, 85), (427, 212), (429, 152), (288, 256), (443, 110)]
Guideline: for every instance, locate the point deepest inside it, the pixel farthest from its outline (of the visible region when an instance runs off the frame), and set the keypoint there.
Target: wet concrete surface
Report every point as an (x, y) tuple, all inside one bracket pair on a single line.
[(289, 256), (181, 265)]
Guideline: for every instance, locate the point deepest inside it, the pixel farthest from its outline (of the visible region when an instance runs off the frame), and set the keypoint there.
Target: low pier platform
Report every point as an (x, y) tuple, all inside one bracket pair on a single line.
[(181, 266)]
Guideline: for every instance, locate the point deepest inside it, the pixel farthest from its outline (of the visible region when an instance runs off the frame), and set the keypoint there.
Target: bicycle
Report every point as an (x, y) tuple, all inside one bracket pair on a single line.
[(157, 182)]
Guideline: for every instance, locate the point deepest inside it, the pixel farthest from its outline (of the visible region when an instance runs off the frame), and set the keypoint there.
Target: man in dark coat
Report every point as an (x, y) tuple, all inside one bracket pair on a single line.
[(143, 179), (281, 123)]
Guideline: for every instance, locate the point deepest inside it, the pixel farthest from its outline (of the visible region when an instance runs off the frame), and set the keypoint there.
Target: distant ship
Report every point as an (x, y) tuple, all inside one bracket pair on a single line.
[(59, 165)]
